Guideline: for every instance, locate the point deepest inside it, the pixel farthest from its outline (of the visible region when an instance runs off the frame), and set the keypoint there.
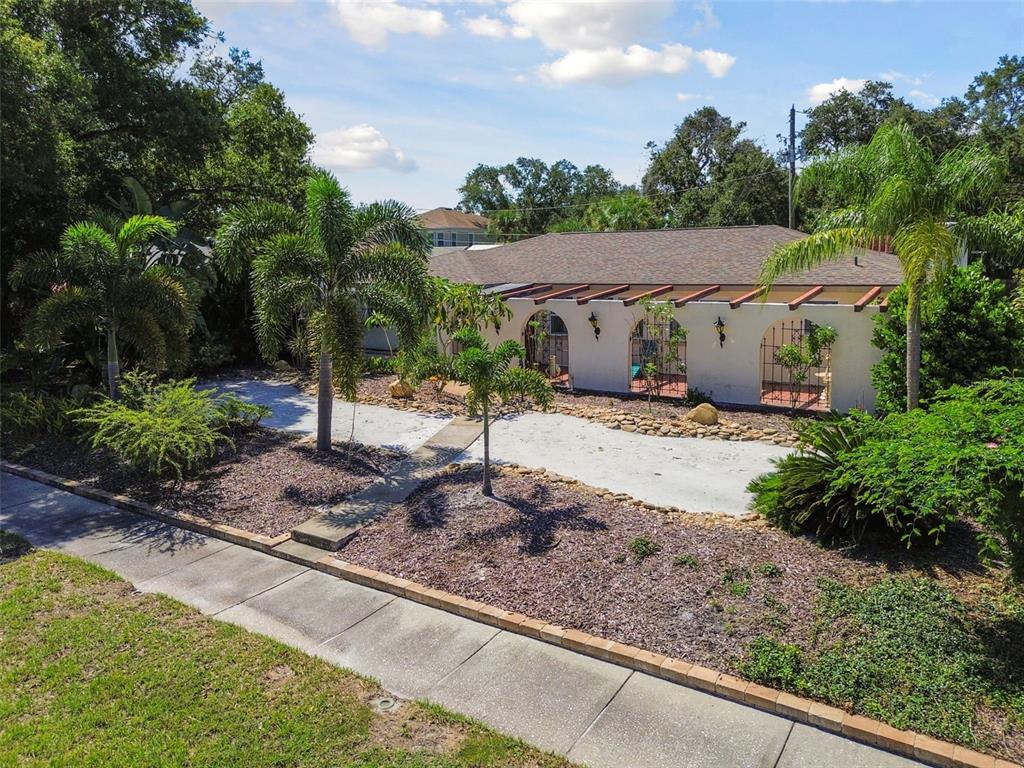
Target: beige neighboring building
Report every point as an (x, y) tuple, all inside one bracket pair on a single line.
[(450, 228), (576, 304)]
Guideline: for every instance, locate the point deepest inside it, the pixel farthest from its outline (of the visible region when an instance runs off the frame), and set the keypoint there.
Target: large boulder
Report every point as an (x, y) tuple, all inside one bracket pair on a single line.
[(399, 389), (282, 366), (705, 414)]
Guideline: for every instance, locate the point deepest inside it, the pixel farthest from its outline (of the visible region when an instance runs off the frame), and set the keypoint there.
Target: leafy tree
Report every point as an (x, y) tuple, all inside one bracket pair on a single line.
[(108, 280), (528, 196), (971, 332), (313, 275), (847, 117), (627, 211), (995, 102), (706, 175), (897, 194), (493, 375)]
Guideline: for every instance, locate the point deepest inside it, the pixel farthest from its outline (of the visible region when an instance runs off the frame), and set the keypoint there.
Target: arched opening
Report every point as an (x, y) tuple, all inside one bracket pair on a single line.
[(795, 372), (547, 346), (657, 358)]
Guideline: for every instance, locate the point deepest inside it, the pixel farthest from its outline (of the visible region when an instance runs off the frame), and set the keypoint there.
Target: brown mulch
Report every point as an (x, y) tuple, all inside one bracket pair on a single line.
[(268, 483), (562, 554)]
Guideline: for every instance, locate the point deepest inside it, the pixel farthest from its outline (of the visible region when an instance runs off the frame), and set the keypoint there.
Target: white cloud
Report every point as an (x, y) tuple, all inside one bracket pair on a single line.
[(929, 99), (359, 148), (682, 98), (616, 66), (369, 22), (486, 26), (707, 20), (563, 25), (893, 76), (818, 93)]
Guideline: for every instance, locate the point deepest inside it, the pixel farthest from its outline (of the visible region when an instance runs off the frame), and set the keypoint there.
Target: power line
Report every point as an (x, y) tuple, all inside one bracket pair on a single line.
[(666, 193)]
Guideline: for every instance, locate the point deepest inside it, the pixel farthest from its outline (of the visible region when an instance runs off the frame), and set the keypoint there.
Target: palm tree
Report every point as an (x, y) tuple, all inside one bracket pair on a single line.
[(898, 197), (490, 375), (107, 278), (314, 274)]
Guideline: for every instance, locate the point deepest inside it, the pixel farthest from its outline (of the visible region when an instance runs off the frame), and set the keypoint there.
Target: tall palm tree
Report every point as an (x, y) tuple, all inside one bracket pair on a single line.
[(899, 196), (492, 374), (314, 274), (106, 277)]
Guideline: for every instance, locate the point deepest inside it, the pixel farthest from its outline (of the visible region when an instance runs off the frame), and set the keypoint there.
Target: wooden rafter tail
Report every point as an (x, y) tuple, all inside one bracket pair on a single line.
[(560, 293), (697, 295), (524, 292), (647, 294), (603, 293), (805, 296), (507, 291), (884, 306), (746, 297), (866, 299)]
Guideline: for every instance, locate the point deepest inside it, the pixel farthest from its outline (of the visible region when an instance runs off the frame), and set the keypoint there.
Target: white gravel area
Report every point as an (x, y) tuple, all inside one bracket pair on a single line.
[(295, 411), (692, 473)]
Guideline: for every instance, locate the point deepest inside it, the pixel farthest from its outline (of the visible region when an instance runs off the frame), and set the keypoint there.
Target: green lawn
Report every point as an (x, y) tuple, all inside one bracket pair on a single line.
[(93, 673)]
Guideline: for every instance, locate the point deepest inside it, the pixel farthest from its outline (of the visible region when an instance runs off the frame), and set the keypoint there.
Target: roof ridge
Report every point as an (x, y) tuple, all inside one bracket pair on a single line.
[(668, 229)]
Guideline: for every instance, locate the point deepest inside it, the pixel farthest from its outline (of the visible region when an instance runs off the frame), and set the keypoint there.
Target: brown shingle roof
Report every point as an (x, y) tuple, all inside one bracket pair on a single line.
[(726, 255), (449, 218)]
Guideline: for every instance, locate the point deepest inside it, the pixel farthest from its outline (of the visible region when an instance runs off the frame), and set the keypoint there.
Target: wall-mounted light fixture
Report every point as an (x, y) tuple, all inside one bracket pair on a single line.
[(593, 322), (720, 327)]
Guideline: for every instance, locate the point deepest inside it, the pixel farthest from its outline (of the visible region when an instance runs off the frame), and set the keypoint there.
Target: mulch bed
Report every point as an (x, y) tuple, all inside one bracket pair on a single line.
[(562, 554), (269, 483)]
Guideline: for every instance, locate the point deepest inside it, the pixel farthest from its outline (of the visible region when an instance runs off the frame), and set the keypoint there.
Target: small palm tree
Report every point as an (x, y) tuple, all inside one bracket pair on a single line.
[(107, 278), (899, 196), (314, 275), (491, 374)]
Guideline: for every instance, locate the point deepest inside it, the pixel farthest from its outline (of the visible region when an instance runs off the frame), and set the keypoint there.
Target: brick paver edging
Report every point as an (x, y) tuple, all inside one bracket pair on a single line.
[(916, 745)]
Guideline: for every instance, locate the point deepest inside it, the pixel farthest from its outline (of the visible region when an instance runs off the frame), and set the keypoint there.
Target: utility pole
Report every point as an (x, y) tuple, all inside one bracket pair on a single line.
[(792, 161)]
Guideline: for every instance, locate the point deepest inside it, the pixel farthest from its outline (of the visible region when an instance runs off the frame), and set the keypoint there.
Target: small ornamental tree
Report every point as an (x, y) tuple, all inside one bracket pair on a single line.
[(660, 343), (492, 375), (799, 357)]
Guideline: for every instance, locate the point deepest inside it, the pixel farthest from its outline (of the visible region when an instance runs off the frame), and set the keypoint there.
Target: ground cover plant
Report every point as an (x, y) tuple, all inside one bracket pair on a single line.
[(96, 673), (910, 653), (738, 597)]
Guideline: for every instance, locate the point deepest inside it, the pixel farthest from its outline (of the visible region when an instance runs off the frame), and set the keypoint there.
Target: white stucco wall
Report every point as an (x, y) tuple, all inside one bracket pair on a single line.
[(730, 374)]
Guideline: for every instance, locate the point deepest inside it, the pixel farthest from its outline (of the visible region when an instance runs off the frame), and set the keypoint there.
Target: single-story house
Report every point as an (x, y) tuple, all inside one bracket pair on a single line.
[(577, 306)]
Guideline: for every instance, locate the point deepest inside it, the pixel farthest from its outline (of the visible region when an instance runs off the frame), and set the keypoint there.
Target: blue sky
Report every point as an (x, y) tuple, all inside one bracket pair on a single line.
[(406, 97)]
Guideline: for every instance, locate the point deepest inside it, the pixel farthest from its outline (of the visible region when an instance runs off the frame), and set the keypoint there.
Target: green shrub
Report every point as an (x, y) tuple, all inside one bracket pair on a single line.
[(796, 495), (771, 662), (769, 570), (643, 547), (970, 332), (169, 428), (911, 474), (375, 366), (23, 413)]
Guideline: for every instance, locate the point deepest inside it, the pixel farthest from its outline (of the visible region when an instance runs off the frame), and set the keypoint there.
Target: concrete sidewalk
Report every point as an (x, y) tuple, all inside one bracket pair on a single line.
[(594, 712)]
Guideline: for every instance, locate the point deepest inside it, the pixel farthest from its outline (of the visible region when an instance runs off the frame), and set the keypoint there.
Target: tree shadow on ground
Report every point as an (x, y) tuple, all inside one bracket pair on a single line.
[(536, 522), (956, 555)]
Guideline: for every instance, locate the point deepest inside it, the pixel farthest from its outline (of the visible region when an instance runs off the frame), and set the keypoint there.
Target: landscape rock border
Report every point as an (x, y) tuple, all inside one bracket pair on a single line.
[(918, 746)]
